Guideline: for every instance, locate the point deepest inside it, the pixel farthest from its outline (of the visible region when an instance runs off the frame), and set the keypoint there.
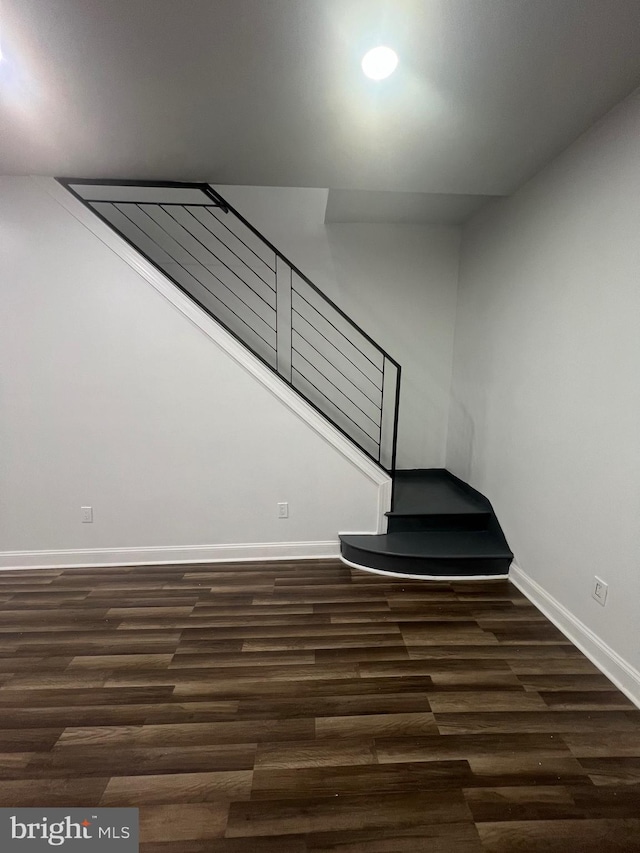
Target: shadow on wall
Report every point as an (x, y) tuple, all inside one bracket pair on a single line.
[(460, 441)]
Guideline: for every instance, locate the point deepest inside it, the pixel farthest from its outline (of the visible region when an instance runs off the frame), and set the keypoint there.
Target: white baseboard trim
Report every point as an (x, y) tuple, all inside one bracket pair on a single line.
[(625, 677), (443, 578), (158, 556)]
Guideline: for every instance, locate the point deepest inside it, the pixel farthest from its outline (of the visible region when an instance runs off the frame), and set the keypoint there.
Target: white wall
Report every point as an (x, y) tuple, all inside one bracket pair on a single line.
[(545, 413), (397, 282), (110, 397)]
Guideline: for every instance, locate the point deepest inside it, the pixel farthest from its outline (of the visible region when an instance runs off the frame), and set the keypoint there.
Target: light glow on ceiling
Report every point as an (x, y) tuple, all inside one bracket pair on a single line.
[(379, 62)]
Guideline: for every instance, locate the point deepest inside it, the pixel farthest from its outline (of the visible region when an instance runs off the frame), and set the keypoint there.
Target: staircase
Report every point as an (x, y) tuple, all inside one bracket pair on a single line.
[(221, 262), (437, 526)]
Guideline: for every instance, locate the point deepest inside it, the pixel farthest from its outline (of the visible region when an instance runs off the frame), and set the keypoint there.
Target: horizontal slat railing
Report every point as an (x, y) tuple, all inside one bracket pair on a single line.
[(215, 256)]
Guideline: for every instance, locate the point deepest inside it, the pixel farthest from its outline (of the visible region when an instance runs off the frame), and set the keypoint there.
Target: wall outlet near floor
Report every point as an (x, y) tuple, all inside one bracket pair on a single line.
[(283, 510), (600, 589), (86, 514)]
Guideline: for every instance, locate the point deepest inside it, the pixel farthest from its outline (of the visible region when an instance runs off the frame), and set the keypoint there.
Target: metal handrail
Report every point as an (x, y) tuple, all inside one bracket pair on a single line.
[(279, 358)]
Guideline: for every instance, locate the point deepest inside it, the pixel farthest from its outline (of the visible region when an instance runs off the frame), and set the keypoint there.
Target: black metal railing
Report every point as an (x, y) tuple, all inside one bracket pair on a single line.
[(213, 254)]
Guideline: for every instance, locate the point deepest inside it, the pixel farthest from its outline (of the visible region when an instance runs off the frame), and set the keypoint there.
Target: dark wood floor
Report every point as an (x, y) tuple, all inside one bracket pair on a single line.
[(306, 707)]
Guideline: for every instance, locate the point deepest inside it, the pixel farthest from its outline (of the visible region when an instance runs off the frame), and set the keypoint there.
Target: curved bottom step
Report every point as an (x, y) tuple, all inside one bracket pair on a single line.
[(423, 577), (430, 554)]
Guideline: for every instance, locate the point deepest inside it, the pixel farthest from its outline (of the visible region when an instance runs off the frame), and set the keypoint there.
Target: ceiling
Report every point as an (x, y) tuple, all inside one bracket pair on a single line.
[(270, 92)]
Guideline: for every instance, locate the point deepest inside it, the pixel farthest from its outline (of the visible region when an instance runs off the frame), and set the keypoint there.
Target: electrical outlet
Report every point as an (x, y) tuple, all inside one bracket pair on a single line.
[(283, 510), (600, 589), (86, 514)]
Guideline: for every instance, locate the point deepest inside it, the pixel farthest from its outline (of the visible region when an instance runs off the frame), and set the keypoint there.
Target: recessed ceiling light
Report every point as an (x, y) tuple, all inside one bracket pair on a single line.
[(379, 62)]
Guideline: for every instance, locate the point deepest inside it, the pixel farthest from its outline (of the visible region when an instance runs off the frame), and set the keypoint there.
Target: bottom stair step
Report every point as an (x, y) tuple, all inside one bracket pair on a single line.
[(433, 553)]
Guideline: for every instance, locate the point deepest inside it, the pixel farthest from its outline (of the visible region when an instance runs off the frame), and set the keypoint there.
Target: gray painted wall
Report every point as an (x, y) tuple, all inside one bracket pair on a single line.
[(545, 411), (111, 398)]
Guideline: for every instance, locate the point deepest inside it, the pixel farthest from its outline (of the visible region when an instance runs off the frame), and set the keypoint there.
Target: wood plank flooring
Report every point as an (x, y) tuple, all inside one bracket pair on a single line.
[(299, 707)]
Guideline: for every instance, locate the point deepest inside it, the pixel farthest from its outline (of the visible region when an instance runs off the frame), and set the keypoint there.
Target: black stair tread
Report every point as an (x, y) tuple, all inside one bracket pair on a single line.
[(434, 544), (433, 492)]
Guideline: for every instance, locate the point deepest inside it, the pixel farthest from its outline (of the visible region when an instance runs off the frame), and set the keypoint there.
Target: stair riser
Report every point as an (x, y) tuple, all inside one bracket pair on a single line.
[(420, 523), (448, 567)]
